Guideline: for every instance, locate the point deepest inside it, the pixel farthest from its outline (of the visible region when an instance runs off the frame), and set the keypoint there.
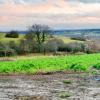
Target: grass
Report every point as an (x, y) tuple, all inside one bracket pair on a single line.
[(97, 66), (67, 39), (21, 36), (5, 39), (51, 63)]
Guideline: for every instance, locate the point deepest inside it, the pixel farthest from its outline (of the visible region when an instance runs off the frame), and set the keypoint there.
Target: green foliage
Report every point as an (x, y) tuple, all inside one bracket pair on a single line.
[(67, 81), (77, 67), (78, 38), (12, 34), (52, 63), (97, 66), (39, 33), (64, 95), (94, 72)]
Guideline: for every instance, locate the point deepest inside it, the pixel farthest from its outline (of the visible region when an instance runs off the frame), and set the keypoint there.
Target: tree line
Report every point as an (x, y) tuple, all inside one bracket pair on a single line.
[(39, 39)]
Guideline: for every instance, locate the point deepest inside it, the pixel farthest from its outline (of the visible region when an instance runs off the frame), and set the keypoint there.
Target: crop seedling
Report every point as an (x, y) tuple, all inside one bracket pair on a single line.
[(52, 64)]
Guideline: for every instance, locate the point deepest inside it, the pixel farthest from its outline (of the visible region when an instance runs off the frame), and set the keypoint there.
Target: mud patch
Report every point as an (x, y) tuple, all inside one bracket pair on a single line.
[(49, 87)]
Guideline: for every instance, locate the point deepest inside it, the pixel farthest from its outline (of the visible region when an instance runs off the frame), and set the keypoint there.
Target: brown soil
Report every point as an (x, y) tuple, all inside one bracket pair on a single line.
[(49, 87)]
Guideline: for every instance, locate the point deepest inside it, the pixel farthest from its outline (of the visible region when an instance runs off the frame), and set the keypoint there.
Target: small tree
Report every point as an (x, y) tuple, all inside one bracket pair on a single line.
[(39, 33)]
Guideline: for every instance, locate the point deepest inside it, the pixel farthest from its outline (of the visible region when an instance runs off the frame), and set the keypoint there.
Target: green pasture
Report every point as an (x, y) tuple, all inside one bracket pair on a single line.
[(51, 63), (5, 39), (21, 36)]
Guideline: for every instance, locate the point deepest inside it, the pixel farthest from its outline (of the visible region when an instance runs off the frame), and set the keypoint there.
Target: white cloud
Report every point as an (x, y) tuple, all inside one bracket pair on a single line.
[(56, 13), (20, 2), (90, 1)]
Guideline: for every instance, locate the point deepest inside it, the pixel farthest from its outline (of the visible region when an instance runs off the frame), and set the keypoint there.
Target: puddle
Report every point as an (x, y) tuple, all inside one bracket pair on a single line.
[(96, 78)]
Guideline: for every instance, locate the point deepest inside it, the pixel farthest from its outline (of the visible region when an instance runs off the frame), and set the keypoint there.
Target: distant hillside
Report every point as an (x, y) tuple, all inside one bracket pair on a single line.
[(88, 33), (20, 32), (65, 31), (91, 33), (57, 32), (77, 31)]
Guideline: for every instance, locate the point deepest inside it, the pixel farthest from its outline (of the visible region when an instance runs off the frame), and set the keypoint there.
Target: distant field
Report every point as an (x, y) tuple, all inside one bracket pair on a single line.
[(21, 36), (67, 39), (4, 39), (51, 63)]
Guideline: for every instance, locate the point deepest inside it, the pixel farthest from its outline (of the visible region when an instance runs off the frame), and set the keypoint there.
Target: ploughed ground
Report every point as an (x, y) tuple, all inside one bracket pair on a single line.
[(57, 86)]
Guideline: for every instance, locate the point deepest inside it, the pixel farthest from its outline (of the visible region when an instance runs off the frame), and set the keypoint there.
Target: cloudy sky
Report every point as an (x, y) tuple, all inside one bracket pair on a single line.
[(67, 14)]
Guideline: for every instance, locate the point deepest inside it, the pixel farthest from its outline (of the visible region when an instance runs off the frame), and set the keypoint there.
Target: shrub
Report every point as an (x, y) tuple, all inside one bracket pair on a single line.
[(5, 50), (67, 81), (51, 46), (75, 47), (23, 46), (97, 66), (54, 45), (12, 34), (78, 38), (92, 46), (94, 72), (28, 46), (64, 95)]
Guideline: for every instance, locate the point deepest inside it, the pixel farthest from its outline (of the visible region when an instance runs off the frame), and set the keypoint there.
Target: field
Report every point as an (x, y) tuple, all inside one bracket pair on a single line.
[(51, 64), (56, 86), (4, 39), (67, 39), (38, 77), (21, 36)]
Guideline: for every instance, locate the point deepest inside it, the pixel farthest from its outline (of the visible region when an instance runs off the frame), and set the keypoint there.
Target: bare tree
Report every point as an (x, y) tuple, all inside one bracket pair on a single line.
[(39, 33)]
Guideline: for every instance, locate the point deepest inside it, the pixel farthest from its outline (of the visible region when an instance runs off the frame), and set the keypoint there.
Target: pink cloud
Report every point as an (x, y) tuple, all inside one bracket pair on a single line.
[(48, 12)]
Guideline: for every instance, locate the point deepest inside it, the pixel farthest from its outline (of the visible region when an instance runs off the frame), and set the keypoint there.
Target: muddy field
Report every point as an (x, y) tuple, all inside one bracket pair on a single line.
[(59, 86)]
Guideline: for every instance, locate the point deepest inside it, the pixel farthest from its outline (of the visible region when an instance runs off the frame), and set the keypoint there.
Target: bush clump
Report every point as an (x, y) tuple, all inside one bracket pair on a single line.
[(64, 95), (67, 81), (97, 66), (12, 34)]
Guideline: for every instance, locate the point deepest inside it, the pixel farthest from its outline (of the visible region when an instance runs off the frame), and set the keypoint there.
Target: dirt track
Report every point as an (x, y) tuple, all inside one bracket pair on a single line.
[(48, 87)]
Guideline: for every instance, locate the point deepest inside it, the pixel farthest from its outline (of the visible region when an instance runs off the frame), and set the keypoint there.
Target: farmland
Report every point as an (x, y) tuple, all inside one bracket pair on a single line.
[(51, 64), (56, 77), (5, 39), (67, 39), (21, 36)]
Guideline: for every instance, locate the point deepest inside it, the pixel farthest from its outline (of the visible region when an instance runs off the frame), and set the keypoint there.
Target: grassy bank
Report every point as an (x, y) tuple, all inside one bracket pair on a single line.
[(48, 64)]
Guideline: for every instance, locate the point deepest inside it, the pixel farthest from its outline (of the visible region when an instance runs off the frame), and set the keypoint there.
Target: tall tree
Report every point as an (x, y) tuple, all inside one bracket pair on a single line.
[(39, 33)]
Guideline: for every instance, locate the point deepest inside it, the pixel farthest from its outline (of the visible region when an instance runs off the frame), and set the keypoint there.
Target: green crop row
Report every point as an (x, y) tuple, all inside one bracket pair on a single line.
[(53, 63)]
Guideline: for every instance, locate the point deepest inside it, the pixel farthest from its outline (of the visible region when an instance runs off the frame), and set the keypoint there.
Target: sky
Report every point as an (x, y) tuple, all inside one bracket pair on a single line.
[(58, 14)]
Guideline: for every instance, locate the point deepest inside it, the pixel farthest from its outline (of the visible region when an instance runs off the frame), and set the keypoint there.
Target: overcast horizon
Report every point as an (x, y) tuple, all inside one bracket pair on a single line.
[(58, 14)]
